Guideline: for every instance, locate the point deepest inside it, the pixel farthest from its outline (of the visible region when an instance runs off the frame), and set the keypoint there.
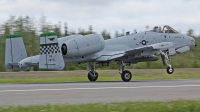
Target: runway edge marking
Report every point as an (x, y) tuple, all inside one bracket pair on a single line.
[(67, 89)]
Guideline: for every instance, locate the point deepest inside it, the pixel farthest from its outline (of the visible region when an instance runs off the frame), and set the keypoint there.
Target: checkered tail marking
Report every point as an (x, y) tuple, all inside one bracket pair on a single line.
[(49, 48)]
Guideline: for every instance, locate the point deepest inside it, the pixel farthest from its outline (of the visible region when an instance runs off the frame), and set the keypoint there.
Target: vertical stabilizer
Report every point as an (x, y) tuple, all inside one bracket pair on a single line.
[(15, 52), (50, 56)]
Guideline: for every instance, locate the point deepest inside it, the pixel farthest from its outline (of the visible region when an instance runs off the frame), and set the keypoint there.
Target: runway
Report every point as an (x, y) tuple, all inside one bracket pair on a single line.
[(94, 92)]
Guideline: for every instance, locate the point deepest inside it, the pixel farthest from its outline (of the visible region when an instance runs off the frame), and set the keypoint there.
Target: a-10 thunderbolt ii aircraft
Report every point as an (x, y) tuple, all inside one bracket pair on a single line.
[(93, 49)]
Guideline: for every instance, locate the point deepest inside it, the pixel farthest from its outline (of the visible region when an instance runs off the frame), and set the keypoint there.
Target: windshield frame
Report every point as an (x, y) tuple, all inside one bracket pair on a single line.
[(164, 29)]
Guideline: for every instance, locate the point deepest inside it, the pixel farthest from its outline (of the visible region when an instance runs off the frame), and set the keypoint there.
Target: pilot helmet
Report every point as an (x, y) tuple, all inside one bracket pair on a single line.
[(155, 28), (159, 29)]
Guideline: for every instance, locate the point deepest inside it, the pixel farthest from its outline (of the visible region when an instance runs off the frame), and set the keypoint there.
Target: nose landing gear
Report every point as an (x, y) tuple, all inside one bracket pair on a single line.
[(166, 60), (170, 70)]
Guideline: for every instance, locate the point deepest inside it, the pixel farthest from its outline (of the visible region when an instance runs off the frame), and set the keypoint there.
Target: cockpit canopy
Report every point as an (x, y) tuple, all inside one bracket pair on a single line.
[(163, 29)]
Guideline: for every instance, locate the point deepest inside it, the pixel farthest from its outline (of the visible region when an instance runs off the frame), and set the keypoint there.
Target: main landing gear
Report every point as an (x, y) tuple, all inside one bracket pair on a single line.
[(166, 60), (92, 75), (125, 74)]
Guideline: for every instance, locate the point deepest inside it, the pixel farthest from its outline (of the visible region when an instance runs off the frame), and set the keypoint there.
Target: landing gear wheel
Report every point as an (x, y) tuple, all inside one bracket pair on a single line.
[(170, 70), (93, 76), (126, 76)]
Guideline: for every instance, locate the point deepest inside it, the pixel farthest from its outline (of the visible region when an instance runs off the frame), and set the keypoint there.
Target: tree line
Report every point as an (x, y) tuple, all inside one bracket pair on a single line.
[(30, 28)]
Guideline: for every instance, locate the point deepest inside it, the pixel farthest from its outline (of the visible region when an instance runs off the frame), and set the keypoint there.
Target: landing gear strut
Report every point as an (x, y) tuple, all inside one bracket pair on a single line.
[(125, 74), (166, 60), (92, 75)]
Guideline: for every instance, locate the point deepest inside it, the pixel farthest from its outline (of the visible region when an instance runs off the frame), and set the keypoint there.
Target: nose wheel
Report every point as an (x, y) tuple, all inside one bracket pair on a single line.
[(170, 70)]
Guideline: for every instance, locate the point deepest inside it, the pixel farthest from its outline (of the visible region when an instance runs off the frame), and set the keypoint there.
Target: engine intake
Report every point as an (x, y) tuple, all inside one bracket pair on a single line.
[(64, 49)]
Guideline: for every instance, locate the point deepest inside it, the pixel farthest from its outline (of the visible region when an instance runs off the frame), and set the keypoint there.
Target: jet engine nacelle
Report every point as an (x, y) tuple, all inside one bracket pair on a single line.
[(82, 46)]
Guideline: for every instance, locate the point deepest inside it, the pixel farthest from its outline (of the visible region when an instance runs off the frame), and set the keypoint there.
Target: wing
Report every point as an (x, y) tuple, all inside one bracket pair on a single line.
[(158, 46), (146, 50), (110, 55)]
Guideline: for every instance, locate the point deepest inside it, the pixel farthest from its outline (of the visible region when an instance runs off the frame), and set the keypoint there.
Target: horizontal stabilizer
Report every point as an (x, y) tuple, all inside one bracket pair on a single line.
[(14, 64)]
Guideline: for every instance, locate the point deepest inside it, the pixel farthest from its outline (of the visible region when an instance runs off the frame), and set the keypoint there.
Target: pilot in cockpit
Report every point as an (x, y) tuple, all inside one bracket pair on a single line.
[(164, 29), (157, 29)]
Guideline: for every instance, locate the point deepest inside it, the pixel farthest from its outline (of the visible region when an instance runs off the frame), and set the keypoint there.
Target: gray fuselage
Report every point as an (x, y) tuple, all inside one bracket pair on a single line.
[(132, 41)]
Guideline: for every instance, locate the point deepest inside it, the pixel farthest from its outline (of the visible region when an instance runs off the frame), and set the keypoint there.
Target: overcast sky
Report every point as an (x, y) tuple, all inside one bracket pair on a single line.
[(112, 15)]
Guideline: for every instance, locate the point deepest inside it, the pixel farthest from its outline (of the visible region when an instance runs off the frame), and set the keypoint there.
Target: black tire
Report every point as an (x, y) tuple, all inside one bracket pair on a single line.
[(126, 76), (170, 70), (93, 78)]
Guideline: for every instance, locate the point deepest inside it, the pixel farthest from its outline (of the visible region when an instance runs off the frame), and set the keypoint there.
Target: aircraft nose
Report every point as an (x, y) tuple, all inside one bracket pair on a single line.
[(192, 40)]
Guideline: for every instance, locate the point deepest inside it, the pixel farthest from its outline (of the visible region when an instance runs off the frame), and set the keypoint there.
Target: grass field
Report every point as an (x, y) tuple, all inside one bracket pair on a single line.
[(105, 75), (168, 106)]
